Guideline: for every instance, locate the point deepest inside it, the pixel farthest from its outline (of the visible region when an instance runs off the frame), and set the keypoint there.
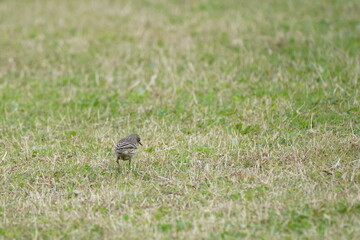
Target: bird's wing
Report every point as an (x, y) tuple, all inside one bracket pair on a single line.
[(121, 146)]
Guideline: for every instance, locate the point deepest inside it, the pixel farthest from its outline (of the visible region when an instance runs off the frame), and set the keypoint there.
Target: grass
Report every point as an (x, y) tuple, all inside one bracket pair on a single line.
[(248, 112)]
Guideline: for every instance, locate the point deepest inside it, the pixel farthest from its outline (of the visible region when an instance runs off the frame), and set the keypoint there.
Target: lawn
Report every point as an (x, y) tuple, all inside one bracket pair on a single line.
[(248, 112)]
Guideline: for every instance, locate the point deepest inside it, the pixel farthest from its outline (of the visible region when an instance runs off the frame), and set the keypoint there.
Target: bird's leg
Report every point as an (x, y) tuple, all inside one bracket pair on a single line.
[(117, 161), (130, 163)]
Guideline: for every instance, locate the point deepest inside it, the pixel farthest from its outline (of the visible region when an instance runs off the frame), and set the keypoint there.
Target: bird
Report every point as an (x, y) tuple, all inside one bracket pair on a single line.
[(126, 148)]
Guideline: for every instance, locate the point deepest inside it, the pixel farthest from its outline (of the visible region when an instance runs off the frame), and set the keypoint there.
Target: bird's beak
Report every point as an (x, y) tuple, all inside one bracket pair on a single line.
[(140, 143)]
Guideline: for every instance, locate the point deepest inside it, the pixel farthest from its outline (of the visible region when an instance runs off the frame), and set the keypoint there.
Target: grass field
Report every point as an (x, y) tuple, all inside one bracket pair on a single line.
[(248, 112)]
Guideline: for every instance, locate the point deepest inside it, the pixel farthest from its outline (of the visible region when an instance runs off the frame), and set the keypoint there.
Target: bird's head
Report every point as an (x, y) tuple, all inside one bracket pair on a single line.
[(135, 138)]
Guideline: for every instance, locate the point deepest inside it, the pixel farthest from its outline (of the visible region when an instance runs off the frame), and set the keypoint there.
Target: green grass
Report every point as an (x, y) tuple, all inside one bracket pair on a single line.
[(248, 112)]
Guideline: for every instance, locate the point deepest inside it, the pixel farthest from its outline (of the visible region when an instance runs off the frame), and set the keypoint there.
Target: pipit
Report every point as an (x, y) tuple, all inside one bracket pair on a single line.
[(127, 147)]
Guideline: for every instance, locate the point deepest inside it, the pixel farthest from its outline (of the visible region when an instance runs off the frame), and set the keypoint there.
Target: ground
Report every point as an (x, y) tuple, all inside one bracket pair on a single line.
[(248, 112)]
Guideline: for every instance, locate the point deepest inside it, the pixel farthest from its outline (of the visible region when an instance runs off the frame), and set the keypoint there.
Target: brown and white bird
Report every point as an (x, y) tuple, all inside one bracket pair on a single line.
[(126, 148)]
